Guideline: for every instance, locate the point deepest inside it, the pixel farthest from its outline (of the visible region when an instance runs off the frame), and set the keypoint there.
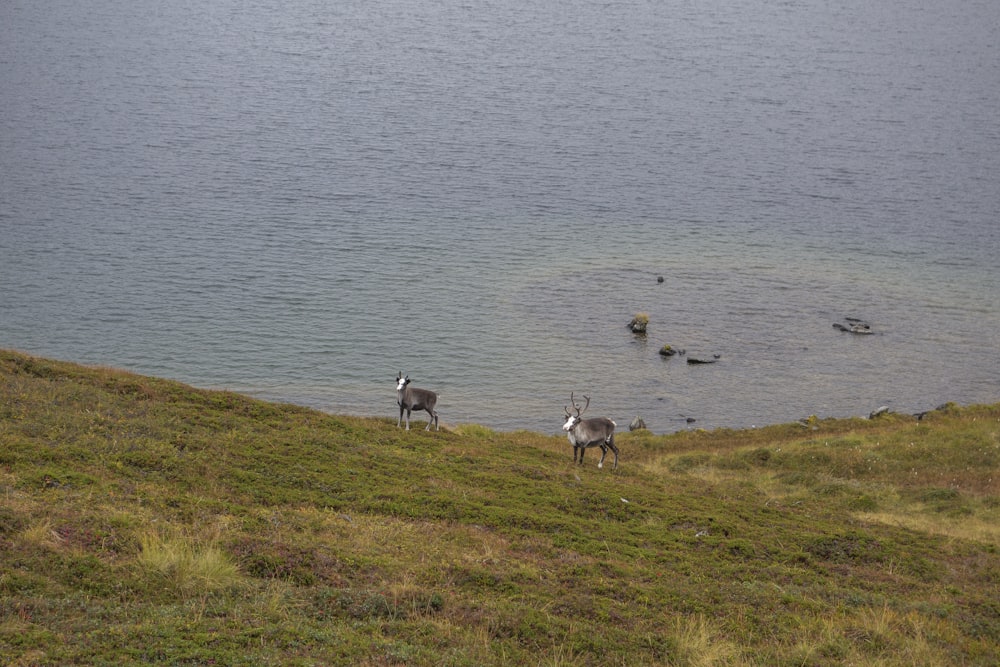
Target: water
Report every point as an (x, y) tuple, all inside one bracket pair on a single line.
[(298, 200)]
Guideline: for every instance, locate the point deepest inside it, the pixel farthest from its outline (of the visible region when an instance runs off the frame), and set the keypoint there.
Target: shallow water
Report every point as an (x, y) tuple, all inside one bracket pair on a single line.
[(299, 200)]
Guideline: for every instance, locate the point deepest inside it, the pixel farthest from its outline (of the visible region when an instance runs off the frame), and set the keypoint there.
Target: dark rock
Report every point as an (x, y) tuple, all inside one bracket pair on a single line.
[(854, 326), (667, 351), (941, 408), (639, 323), (700, 360), (659, 279)]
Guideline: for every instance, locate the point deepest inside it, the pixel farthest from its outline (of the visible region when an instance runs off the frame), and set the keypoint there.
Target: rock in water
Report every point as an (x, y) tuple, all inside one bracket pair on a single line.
[(638, 323), (637, 424), (699, 360), (854, 326)]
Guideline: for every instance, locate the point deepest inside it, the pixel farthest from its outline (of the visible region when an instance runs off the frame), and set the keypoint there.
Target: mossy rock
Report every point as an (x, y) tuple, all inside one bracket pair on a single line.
[(639, 323)]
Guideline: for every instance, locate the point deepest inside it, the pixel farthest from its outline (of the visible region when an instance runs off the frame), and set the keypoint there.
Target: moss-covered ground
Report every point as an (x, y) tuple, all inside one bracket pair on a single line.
[(144, 521)]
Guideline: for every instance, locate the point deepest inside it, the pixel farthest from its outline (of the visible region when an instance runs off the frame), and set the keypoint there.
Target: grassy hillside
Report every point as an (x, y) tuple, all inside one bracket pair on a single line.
[(146, 522)]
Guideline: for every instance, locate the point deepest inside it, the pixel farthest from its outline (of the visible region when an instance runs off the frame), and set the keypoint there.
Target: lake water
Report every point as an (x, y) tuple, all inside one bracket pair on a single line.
[(297, 200)]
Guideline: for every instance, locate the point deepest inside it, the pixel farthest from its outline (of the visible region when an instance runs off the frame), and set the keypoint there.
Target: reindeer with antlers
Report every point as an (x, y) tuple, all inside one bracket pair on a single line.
[(593, 432)]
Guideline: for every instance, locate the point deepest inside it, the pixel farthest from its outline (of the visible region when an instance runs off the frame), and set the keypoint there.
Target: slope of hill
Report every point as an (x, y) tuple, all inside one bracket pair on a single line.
[(147, 522)]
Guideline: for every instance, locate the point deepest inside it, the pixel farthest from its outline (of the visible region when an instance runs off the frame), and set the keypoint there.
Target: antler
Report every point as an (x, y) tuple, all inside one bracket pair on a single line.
[(576, 407)]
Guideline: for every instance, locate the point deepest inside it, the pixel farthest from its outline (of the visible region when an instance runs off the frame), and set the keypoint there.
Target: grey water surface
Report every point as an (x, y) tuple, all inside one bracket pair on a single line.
[(297, 200)]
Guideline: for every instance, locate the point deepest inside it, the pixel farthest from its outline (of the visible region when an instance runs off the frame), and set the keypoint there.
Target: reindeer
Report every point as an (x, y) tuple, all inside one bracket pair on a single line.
[(411, 398), (593, 432)]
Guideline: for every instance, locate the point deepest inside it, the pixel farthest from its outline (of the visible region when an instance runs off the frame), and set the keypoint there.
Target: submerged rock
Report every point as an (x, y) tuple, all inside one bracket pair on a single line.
[(702, 360), (854, 326)]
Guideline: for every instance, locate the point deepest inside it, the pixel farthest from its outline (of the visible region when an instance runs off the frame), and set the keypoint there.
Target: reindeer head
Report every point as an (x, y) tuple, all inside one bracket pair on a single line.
[(573, 419), (402, 381)]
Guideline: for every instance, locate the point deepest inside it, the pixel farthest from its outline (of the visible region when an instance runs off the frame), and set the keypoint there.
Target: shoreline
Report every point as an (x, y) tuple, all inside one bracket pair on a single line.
[(805, 421)]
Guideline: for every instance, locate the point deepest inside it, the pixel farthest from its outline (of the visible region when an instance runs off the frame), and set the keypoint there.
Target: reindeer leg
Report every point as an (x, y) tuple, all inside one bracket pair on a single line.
[(399, 422), (604, 452), (611, 444), (582, 451), (407, 419)]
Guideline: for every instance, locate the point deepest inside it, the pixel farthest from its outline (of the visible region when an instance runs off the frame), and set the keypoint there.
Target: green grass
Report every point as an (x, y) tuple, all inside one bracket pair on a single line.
[(147, 522)]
